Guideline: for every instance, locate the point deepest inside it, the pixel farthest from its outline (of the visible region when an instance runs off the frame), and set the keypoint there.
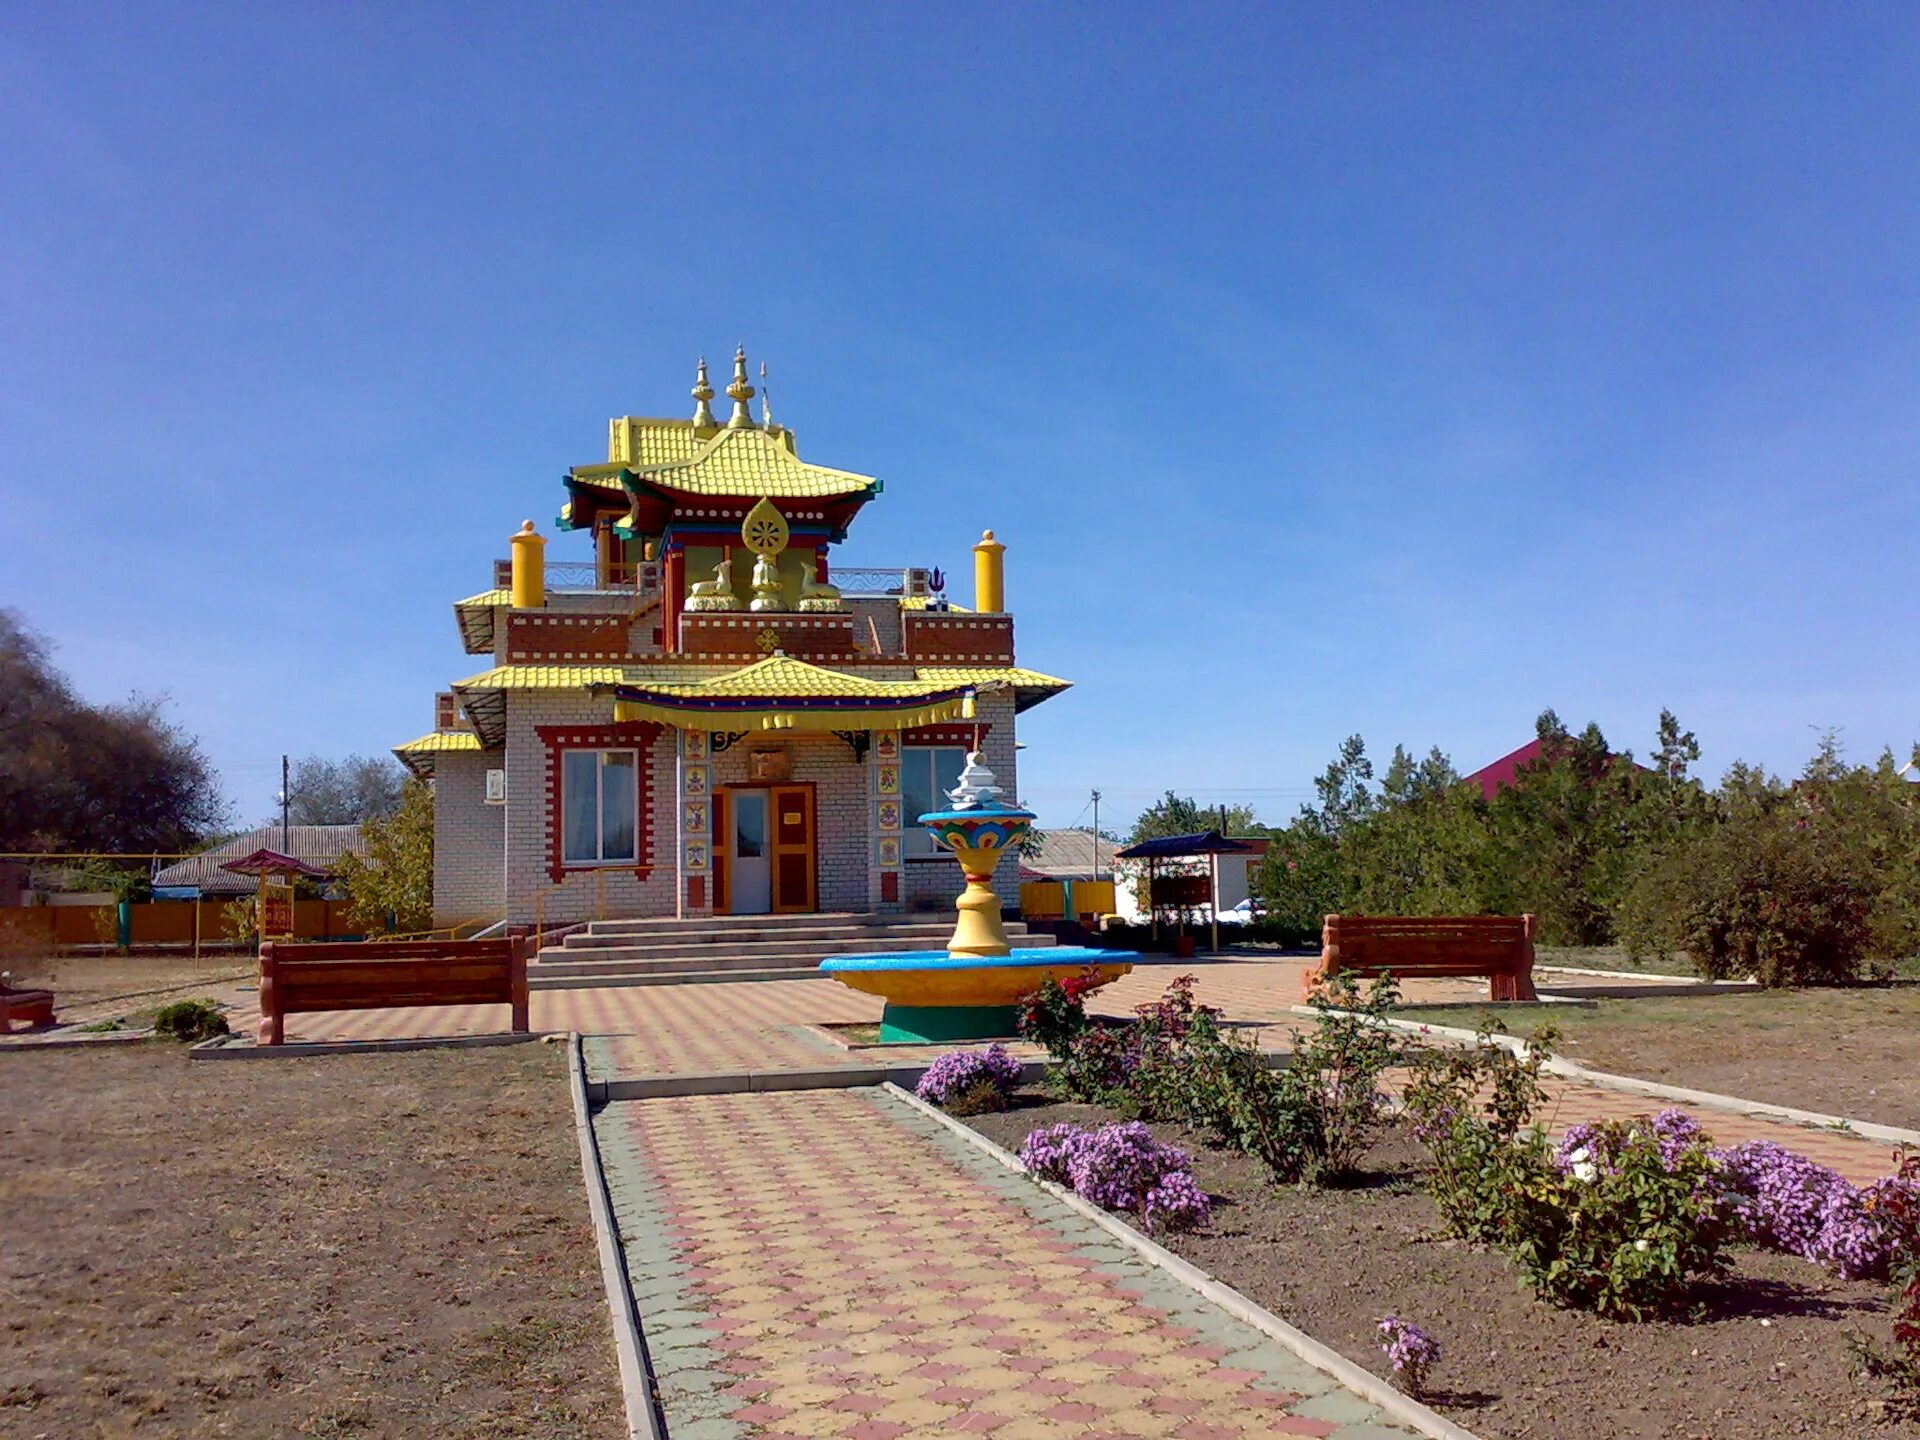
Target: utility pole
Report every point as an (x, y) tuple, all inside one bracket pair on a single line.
[(286, 806), (1096, 834)]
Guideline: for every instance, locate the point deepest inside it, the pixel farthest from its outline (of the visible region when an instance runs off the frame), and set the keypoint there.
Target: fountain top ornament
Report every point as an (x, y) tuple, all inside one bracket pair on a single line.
[(977, 789)]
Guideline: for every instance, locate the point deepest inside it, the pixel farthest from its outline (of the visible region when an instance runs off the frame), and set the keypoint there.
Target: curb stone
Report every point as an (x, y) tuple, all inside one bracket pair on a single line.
[(629, 1349)]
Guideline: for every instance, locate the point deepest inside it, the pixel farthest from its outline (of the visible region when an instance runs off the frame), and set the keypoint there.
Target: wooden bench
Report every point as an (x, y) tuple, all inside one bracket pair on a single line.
[(382, 974), (25, 1008), (1416, 947)]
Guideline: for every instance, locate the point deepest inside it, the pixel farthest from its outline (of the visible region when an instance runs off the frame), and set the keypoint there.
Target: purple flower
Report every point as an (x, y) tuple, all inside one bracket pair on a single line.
[(1178, 1203), (1120, 1167), (959, 1072), (1411, 1351)]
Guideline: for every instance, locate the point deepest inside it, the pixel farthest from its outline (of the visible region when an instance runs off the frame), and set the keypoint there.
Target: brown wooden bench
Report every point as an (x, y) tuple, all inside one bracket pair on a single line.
[(1416, 947), (379, 974), (25, 1008)]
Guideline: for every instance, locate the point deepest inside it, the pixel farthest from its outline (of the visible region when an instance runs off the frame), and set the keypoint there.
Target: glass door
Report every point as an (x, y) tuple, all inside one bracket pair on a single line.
[(751, 879)]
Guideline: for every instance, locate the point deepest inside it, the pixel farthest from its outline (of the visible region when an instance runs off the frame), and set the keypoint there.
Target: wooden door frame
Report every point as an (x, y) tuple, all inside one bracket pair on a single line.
[(723, 846)]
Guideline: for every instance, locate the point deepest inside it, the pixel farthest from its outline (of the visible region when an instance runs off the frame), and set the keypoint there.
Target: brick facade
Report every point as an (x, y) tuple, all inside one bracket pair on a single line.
[(469, 840)]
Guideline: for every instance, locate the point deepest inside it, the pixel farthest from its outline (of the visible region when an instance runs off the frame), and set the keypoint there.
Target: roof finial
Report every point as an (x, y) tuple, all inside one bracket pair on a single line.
[(766, 401), (703, 392), (740, 390)]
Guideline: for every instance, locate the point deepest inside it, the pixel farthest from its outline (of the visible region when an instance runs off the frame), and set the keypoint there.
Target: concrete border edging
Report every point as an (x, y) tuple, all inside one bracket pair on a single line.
[(1656, 1090), (1361, 1381), (741, 1082), (232, 1047), (636, 1381)]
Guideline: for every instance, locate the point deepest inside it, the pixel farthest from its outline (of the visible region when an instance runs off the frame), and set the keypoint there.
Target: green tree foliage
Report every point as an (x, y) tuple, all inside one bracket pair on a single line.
[(391, 889), (102, 778), (1175, 814), (1811, 882), (344, 792)]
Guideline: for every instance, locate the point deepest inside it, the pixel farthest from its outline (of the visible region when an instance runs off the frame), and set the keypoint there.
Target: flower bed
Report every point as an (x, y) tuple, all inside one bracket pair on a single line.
[(1766, 1355)]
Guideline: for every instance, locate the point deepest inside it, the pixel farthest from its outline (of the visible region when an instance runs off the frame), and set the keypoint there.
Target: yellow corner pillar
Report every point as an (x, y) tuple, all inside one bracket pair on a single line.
[(989, 575), (529, 568)]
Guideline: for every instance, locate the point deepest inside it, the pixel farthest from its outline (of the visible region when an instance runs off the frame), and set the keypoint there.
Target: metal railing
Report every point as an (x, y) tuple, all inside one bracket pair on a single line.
[(583, 576), (870, 582)]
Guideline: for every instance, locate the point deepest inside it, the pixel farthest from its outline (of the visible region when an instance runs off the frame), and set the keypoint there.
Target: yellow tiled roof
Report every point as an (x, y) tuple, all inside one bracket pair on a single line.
[(782, 677), (418, 755), (640, 441), (1030, 687), (542, 677), (919, 602), (440, 740), (749, 462), (476, 617)]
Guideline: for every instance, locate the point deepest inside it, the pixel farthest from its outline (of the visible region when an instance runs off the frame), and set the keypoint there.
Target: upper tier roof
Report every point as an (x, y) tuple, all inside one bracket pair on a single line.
[(740, 462)]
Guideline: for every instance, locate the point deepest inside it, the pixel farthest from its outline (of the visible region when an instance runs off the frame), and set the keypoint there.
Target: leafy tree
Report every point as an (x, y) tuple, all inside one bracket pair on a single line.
[(392, 887), (81, 777), (1175, 814), (344, 792)]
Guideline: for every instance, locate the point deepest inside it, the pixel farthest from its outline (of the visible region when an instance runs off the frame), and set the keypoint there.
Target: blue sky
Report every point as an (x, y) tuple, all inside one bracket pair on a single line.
[(1400, 370)]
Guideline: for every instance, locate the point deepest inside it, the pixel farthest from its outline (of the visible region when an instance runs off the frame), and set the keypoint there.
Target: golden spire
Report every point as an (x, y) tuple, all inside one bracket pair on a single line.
[(741, 391), (703, 392), (766, 401)]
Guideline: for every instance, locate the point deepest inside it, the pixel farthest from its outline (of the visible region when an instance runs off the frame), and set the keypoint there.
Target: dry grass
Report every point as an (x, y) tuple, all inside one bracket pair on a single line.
[(356, 1246), (1844, 1052)]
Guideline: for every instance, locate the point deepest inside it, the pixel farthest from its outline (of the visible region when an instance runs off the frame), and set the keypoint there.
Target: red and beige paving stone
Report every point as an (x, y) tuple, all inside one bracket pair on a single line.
[(832, 1264)]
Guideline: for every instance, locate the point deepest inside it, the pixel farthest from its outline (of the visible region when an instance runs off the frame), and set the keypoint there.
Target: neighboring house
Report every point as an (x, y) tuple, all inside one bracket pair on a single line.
[(710, 716), (201, 876), (1505, 772), (1070, 855)]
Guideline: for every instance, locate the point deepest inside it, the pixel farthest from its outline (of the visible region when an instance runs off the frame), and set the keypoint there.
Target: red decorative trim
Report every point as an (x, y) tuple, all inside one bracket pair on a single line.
[(638, 735), (960, 733), (889, 886), (696, 892)]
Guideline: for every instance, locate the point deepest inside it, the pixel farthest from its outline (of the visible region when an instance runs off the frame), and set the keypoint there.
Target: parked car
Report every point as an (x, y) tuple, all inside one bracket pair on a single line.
[(1247, 912)]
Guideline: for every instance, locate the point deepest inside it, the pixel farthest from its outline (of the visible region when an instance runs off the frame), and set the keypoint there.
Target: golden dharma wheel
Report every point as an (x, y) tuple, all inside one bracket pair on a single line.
[(765, 529)]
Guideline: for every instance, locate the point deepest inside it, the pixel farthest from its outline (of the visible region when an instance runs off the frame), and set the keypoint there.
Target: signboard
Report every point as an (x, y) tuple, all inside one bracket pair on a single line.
[(276, 908)]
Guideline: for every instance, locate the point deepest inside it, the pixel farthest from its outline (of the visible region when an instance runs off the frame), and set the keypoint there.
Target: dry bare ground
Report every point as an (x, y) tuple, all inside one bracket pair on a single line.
[(1852, 1052), (350, 1246)]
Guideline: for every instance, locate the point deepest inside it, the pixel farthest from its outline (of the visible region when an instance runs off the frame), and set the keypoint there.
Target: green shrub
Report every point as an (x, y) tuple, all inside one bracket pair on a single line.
[(190, 1020), (1622, 1221), (1624, 1234)]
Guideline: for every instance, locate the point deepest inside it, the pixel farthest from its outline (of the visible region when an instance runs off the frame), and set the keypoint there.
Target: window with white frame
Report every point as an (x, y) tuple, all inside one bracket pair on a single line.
[(598, 794), (927, 773)]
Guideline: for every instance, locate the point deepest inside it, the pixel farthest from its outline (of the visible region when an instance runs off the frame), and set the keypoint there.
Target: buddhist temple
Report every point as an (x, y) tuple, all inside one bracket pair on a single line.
[(713, 716)]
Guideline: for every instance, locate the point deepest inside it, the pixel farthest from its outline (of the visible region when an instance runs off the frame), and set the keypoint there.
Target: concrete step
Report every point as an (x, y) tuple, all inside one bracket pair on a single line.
[(648, 977), (621, 959), (721, 924), (755, 935)]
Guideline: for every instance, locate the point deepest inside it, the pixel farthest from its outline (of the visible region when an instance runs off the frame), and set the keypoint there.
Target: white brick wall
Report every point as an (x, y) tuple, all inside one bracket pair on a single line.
[(469, 840), (934, 884), (584, 893)]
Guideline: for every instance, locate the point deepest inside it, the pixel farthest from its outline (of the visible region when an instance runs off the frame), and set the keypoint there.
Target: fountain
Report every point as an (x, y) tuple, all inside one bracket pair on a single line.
[(972, 989)]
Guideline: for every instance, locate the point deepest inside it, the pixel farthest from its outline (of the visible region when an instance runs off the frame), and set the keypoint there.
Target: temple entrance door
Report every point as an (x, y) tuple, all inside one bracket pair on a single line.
[(793, 848), (749, 853)]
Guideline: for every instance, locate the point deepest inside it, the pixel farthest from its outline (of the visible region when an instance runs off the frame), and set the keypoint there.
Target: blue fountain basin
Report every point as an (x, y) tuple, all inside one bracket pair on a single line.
[(920, 978)]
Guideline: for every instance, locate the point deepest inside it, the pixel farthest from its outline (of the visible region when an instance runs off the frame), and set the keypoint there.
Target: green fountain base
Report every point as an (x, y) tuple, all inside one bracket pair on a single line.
[(937, 1024)]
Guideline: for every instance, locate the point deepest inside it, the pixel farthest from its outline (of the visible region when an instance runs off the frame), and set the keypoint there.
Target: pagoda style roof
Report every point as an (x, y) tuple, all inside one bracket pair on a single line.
[(484, 696), (418, 755), (781, 693)]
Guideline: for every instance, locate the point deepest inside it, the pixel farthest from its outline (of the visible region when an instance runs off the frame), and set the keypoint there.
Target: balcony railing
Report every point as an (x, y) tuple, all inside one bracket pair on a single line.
[(853, 581), (865, 582)]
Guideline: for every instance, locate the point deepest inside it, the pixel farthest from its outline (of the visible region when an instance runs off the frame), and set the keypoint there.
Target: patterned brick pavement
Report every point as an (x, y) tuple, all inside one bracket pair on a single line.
[(830, 1263)]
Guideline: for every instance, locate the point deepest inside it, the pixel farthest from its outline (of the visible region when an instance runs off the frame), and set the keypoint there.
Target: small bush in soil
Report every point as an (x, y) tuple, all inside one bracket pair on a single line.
[(190, 1020), (1899, 1366), (971, 1082), (1121, 1167), (1125, 1067), (1624, 1222), (1473, 1110), (1411, 1351)]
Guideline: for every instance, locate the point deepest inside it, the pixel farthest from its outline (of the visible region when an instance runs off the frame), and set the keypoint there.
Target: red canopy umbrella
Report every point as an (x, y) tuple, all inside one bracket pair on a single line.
[(272, 862)]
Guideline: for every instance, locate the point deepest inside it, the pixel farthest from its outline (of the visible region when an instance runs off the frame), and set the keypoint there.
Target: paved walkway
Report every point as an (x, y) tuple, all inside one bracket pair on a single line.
[(832, 1263)]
